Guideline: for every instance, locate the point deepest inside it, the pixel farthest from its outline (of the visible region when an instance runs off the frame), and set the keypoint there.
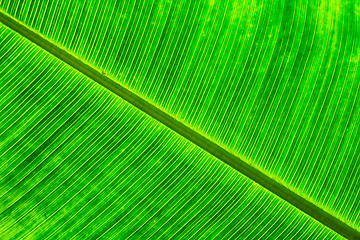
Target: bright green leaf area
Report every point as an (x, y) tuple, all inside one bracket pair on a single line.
[(78, 162), (274, 82)]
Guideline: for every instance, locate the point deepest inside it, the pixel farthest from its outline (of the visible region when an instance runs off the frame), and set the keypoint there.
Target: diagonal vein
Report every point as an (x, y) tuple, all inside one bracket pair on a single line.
[(222, 154)]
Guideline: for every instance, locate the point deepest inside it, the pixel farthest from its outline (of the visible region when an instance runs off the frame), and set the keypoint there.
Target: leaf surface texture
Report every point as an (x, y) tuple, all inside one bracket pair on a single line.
[(274, 82)]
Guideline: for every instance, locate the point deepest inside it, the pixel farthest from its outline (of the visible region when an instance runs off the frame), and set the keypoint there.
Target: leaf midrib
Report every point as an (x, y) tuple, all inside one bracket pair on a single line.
[(219, 152)]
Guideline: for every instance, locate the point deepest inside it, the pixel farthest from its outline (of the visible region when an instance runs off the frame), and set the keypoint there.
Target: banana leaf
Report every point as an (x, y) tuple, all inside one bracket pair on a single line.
[(271, 84)]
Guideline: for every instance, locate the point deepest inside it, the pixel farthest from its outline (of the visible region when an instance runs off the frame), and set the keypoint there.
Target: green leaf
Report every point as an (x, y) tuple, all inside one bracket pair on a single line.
[(270, 87)]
